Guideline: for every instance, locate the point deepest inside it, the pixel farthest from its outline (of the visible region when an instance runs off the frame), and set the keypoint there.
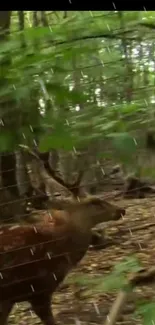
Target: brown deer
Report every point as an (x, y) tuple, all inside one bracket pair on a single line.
[(55, 183), (35, 258)]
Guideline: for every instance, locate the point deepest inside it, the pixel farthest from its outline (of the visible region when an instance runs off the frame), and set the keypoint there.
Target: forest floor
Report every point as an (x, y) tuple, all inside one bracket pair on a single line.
[(135, 236)]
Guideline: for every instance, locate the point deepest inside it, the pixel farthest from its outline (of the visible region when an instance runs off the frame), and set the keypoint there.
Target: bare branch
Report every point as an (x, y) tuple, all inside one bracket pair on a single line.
[(143, 277), (52, 181), (148, 25), (43, 158), (116, 308), (140, 278)]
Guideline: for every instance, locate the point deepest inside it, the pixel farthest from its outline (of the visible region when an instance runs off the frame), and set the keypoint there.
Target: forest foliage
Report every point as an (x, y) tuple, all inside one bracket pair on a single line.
[(69, 79), (74, 84)]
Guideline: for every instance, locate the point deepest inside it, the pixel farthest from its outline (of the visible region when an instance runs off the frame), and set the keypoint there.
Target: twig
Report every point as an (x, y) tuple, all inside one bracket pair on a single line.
[(135, 228), (116, 308), (141, 278)]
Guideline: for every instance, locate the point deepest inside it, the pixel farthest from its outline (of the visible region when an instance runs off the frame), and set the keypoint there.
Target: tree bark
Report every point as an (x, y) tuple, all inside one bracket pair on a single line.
[(8, 160)]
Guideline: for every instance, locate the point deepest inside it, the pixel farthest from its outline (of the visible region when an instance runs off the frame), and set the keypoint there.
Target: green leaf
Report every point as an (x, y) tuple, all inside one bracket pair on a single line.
[(115, 281), (130, 264), (38, 32), (7, 141), (124, 143), (147, 312), (56, 141), (108, 125)]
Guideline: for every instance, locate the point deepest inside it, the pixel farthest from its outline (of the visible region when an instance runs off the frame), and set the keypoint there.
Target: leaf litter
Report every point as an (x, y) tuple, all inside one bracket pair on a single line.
[(73, 303)]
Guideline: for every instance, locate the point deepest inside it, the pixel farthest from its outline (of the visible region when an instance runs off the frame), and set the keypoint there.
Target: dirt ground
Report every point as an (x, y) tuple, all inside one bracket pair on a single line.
[(135, 236)]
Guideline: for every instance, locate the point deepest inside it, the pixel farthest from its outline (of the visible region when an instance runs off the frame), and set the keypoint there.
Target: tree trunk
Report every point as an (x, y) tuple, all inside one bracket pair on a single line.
[(23, 180), (5, 19), (8, 160), (8, 172), (44, 20), (9, 192)]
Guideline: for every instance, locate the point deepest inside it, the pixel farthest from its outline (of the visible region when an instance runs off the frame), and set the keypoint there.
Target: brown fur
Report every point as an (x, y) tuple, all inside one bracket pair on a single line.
[(34, 259)]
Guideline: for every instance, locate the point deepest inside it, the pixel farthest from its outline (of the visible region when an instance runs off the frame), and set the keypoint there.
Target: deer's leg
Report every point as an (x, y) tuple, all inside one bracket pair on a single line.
[(5, 309), (41, 304)]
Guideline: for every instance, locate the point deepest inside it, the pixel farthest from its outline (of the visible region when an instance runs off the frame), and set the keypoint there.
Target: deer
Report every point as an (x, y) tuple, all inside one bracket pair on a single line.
[(35, 258), (54, 182)]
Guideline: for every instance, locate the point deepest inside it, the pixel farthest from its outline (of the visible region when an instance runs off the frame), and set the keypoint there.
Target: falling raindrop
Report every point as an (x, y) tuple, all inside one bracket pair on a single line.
[(108, 318), (74, 150), (139, 245), (51, 32), (23, 135), (32, 288), (77, 321), (130, 232), (55, 278), (108, 49), (135, 141), (102, 170), (146, 103), (31, 313), (49, 256), (49, 214), (35, 143), (91, 13), (96, 308), (31, 250), (31, 128)]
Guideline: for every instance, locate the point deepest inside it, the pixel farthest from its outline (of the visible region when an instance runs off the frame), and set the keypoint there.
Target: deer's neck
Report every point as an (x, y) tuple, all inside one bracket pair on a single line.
[(81, 221), (77, 219)]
